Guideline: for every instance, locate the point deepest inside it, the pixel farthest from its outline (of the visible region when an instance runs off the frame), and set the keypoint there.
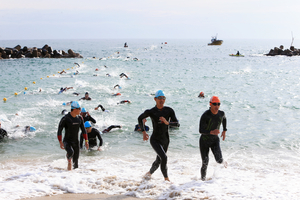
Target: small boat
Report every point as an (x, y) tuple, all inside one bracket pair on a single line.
[(125, 45), (236, 55), (215, 41)]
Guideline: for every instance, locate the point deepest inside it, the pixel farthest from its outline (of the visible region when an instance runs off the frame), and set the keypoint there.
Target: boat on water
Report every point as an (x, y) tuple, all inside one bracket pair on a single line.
[(125, 45), (215, 41)]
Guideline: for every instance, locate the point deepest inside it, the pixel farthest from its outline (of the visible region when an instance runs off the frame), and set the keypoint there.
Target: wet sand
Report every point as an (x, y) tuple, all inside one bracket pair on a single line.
[(87, 197)]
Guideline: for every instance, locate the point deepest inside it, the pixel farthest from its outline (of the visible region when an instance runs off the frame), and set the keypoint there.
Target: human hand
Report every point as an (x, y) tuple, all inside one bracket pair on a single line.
[(223, 135), (145, 136), (61, 144), (87, 145), (163, 120)]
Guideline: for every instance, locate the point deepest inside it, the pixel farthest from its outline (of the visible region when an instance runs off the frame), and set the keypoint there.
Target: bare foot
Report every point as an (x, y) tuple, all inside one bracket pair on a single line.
[(147, 176), (167, 179), (69, 165)]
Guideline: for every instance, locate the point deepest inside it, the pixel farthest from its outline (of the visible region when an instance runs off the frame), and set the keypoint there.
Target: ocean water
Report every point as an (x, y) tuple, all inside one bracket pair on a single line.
[(259, 94)]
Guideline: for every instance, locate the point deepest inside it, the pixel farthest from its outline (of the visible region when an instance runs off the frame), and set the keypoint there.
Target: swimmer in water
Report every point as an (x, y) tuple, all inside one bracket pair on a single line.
[(160, 116), (63, 71), (102, 108), (92, 134), (86, 97), (124, 101), (86, 116), (117, 94), (201, 95), (137, 127), (72, 122), (108, 75), (111, 127), (64, 112), (64, 89), (77, 64), (117, 86), (210, 123), (122, 75)]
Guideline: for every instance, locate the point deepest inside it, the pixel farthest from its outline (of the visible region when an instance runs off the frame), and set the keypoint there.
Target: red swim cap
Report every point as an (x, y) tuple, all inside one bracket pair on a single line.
[(214, 99), (201, 93)]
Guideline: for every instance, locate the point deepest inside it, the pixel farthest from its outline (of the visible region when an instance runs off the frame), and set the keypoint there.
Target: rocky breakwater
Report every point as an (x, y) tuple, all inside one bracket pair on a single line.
[(34, 52), (284, 52)]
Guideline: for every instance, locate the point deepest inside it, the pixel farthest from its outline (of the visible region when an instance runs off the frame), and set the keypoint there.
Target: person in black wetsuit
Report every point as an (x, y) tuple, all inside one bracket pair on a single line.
[(3, 133), (71, 123), (210, 123), (93, 134), (160, 117), (100, 106), (86, 97), (86, 116)]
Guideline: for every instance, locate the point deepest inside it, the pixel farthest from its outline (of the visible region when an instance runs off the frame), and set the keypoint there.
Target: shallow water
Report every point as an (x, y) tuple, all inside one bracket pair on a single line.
[(259, 95)]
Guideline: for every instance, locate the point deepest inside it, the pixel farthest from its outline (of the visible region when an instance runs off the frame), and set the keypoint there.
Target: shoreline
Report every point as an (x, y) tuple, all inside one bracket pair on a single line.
[(71, 196)]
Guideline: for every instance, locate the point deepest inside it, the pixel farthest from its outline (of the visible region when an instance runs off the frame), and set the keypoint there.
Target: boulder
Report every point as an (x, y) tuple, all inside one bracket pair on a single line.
[(25, 49), (71, 52), (34, 53), (28, 55), (50, 50), (18, 47), (281, 47)]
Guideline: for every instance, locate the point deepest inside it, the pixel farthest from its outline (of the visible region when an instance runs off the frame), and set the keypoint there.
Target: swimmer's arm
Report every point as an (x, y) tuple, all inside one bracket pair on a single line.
[(81, 141), (59, 132), (84, 134), (140, 119), (100, 139)]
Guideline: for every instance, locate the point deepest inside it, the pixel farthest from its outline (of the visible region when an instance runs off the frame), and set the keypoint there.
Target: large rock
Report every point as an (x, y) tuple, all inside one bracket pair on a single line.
[(18, 47), (70, 52)]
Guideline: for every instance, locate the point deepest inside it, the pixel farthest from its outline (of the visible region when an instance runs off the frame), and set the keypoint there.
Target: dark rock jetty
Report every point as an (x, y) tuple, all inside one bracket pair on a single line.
[(34, 52), (284, 52)]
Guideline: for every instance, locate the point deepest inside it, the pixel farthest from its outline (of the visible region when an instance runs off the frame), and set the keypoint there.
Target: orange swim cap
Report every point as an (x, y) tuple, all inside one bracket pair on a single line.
[(201, 93), (118, 93), (214, 99)]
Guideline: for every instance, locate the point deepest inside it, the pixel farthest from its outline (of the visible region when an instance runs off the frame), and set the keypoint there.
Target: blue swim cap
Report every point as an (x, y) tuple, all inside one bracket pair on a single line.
[(64, 104), (83, 110), (32, 129), (87, 124), (75, 104), (159, 93)]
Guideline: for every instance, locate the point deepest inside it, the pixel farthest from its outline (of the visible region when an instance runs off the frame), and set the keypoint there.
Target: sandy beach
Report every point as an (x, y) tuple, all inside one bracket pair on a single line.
[(87, 197)]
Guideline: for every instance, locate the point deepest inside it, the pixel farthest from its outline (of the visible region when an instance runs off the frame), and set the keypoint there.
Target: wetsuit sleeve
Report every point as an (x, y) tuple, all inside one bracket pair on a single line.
[(60, 128), (141, 117), (174, 122), (203, 126), (224, 123), (84, 134), (100, 138), (81, 141), (92, 120)]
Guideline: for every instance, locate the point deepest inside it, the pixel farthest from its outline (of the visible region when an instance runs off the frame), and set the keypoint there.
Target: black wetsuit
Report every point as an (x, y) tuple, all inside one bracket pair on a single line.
[(160, 136), (3, 133), (83, 98), (102, 108), (209, 122), (89, 118), (71, 143), (92, 137), (110, 127)]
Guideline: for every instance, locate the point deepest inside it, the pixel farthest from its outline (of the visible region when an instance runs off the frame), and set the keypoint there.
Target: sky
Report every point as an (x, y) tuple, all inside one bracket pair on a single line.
[(145, 19)]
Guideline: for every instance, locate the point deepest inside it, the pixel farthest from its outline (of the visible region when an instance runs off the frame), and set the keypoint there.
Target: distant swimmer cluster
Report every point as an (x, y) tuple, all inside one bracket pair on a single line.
[(40, 90)]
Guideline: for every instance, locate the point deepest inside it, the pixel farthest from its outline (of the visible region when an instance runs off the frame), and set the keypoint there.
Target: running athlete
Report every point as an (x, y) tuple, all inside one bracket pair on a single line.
[(86, 116), (160, 116), (209, 129), (72, 122), (93, 134)]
